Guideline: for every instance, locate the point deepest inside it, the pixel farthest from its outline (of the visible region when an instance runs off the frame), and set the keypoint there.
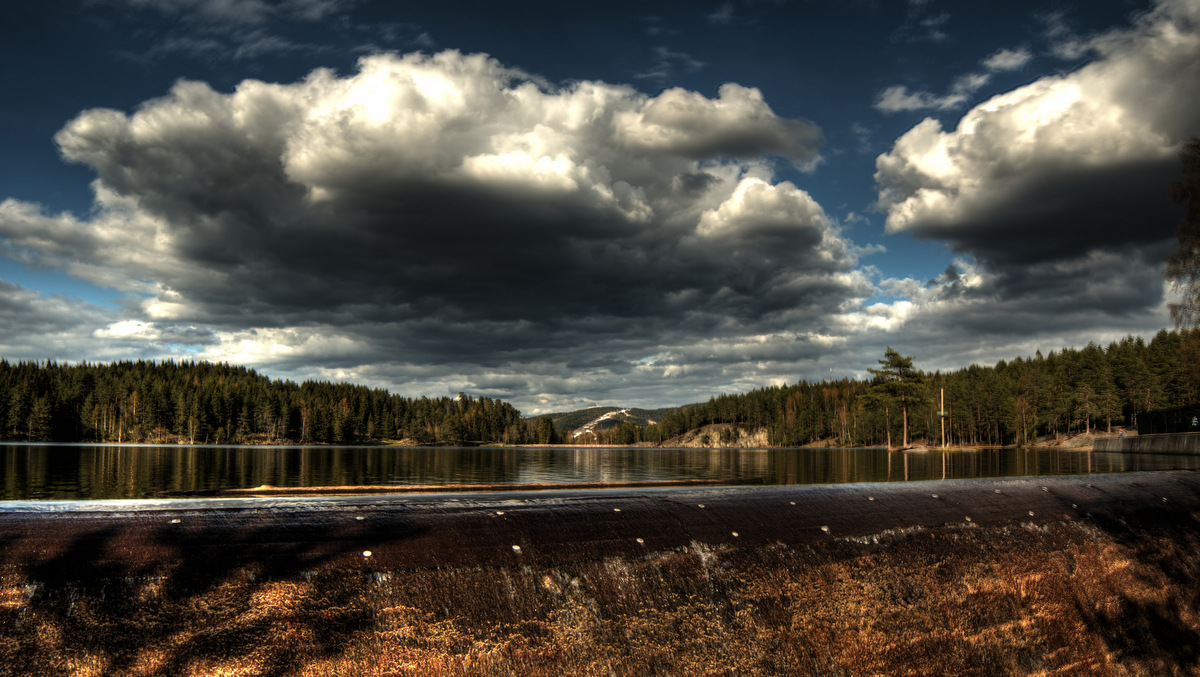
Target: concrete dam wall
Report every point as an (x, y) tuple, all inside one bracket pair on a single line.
[(1170, 443), (1075, 575)]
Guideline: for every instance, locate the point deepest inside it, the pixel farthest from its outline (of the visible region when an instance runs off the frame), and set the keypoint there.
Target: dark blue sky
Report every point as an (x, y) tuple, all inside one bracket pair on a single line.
[(698, 198)]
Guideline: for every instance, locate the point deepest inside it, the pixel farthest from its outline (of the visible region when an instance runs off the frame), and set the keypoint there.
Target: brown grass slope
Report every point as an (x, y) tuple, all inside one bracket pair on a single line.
[(1043, 576)]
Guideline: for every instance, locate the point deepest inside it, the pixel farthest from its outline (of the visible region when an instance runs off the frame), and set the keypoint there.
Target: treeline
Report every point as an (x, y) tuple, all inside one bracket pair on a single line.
[(204, 403), (1024, 401)]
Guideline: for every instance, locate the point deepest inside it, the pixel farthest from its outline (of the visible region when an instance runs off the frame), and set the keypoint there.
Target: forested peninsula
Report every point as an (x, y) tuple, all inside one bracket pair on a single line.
[(1025, 401)]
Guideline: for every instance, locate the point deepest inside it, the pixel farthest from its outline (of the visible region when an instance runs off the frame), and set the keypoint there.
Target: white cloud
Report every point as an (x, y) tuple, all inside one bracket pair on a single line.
[(1128, 107), (898, 98), (737, 123), (759, 207), (1007, 60)]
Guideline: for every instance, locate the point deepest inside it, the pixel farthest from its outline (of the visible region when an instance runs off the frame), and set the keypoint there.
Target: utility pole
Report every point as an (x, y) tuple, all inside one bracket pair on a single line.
[(942, 416)]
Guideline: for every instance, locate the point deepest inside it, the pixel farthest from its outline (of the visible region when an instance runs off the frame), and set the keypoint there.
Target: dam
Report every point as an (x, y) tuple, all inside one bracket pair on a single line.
[(1163, 443), (1072, 575)]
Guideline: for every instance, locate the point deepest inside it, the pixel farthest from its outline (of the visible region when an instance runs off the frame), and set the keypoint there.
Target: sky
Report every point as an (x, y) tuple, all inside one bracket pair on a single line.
[(573, 204)]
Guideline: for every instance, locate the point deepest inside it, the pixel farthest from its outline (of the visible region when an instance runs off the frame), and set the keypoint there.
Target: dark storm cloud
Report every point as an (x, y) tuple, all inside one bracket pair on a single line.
[(445, 223), (1067, 213), (444, 209)]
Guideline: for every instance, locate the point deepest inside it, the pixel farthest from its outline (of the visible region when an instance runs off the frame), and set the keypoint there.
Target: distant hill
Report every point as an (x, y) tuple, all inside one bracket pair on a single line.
[(605, 418)]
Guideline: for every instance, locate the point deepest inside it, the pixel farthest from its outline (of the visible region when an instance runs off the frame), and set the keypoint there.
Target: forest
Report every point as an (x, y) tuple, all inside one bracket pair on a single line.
[(1024, 401), (204, 403)]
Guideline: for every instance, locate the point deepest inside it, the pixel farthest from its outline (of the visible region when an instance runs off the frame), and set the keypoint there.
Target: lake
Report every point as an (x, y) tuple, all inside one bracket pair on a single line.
[(87, 472)]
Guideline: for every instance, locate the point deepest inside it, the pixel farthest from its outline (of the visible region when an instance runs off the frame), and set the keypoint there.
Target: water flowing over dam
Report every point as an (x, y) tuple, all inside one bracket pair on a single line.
[(1044, 575), (1187, 444)]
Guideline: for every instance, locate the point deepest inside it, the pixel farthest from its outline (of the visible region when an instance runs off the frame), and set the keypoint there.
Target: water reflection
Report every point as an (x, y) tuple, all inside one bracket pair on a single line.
[(65, 472)]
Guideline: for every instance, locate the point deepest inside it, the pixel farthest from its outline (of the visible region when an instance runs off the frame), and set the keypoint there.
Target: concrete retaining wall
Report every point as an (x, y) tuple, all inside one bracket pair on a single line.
[(1069, 575), (1176, 443)]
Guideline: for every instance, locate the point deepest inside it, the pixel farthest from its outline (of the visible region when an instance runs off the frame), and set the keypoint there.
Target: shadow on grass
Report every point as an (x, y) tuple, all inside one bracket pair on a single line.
[(1164, 543), (236, 589)]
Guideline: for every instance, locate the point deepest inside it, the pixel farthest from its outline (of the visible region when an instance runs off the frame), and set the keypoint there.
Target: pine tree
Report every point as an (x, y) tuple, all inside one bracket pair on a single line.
[(897, 379)]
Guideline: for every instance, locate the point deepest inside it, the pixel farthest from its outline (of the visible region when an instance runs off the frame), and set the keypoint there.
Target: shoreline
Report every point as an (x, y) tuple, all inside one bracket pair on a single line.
[(401, 489), (631, 447)]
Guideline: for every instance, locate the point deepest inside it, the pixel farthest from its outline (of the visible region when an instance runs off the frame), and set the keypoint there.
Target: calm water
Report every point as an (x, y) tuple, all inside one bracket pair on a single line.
[(69, 472)]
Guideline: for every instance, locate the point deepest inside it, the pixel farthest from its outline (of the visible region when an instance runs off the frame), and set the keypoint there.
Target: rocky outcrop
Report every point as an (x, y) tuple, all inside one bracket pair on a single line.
[(720, 435)]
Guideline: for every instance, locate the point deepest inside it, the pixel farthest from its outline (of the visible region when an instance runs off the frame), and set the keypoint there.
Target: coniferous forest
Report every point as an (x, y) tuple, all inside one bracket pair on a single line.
[(202, 403), (1027, 400)]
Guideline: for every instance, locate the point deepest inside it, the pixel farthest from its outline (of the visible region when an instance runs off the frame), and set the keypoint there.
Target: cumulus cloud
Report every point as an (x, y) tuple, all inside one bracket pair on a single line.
[(737, 123), (1058, 188), (444, 210), (1102, 126)]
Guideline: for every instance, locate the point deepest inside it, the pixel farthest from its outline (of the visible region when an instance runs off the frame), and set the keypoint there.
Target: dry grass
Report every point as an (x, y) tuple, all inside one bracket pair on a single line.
[(1064, 599)]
